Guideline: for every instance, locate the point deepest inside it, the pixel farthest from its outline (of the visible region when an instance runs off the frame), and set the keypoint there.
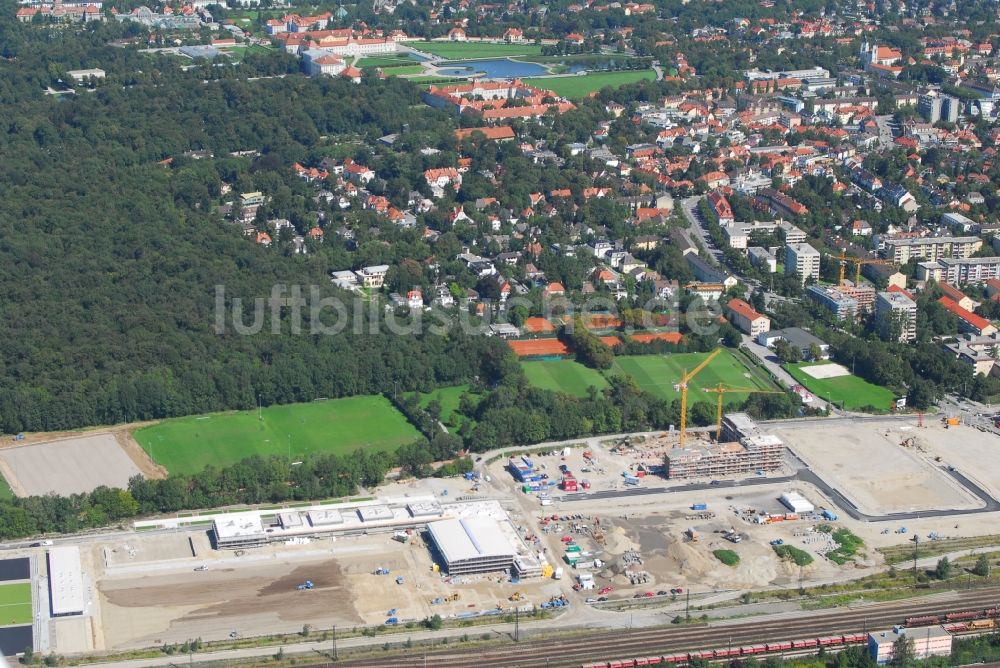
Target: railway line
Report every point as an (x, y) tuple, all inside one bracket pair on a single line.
[(606, 645)]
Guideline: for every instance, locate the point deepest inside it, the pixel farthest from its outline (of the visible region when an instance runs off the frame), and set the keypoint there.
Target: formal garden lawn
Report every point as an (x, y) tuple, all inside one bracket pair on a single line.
[(339, 426)]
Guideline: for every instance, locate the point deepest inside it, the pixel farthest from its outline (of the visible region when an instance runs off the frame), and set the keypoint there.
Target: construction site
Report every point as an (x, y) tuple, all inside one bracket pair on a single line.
[(580, 528)]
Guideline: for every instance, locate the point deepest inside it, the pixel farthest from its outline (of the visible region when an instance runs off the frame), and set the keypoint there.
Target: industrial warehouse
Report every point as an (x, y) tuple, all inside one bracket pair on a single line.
[(472, 545), (66, 590)]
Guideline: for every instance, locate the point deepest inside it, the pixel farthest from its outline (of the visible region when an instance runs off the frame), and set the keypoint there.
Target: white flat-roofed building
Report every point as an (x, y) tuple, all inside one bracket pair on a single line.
[(290, 520), (374, 513), (80, 76), (424, 509), (929, 641), (66, 591), (797, 503), (235, 530), (325, 518), (472, 545)]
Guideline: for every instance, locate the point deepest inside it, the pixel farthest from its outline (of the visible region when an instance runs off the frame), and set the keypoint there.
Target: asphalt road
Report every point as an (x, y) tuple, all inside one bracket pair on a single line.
[(695, 229)]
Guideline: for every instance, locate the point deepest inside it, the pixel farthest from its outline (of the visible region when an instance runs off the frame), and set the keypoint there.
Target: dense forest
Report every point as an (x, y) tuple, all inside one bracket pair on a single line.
[(109, 261)]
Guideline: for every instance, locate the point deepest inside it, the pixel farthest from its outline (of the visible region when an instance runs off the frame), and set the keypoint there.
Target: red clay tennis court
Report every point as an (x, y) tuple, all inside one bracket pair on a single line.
[(538, 347), (610, 341), (538, 325), (669, 337), (603, 321)]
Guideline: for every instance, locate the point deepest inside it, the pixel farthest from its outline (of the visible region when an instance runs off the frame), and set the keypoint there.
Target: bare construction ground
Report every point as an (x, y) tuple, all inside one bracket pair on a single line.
[(876, 465), (68, 466), (145, 602), (975, 453)]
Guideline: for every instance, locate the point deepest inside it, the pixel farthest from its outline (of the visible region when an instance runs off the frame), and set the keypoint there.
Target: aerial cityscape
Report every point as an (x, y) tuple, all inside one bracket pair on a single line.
[(463, 333)]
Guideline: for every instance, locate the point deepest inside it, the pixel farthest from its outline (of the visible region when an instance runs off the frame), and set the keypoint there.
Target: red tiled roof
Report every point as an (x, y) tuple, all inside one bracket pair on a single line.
[(974, 320), (493, 133), (744, 309)]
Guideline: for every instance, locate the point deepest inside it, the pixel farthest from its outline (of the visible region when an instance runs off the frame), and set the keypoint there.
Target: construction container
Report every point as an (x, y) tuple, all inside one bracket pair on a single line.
[(827, 515), (574, 548), (699, 506)]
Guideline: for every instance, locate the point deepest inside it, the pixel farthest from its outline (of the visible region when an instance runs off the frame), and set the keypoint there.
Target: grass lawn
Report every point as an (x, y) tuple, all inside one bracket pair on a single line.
[(576, 87), (15, 603), (851, 392), (406, 69), (465, 50), (6, 493), (385, 61), (563, 376), (449, 398), (339, 426), (728, 557), (658, 374)]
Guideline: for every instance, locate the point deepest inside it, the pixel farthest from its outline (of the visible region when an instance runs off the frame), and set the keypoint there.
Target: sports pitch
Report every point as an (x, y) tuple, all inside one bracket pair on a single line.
[(15, 603), (660, 374), (849, 392), (563, 376), (337, 426)]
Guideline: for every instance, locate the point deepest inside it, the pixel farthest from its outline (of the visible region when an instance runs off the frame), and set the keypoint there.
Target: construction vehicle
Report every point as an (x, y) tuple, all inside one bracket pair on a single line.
[(399, 579), (683, 385), (722, 389), (308, 584), (516, 596), (451, 597), (392, 621), (381, 571), (437, 601)]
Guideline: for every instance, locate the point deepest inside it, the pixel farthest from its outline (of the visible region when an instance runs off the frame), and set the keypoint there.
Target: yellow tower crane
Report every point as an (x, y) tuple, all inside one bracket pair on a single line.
[(685, 379), (858, 262), (722, 389)]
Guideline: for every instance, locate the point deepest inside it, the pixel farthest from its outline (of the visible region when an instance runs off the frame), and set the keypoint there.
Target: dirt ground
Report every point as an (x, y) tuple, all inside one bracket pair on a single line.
[(140, 611), (146, 601), (975, 453), (867, 462), (67, 466)]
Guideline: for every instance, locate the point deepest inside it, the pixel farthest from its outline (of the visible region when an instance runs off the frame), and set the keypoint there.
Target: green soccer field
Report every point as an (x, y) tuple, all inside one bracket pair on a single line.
[(338, 426), (849, 392), (15, 603), (579, 86), (563, 376), (463, 50), (659, 374)]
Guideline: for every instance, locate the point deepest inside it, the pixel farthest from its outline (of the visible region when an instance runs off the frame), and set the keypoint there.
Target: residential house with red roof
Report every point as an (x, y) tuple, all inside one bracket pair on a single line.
[(746, 319)]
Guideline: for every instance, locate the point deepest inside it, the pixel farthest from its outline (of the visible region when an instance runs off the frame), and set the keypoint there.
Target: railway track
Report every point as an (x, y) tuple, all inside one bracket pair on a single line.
[(572, 650)]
